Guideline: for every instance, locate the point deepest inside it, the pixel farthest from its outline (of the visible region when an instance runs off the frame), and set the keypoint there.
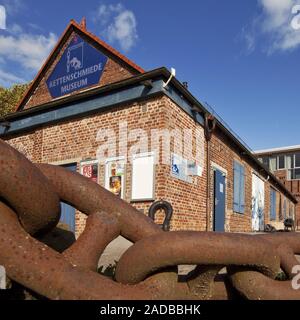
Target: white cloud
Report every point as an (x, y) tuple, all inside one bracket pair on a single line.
[(105, 12), (249, 39), (13, 6), (22, 53), (274, 24), (14, 29), (28, 50), (119, 23), (2, 17), (6, 79)]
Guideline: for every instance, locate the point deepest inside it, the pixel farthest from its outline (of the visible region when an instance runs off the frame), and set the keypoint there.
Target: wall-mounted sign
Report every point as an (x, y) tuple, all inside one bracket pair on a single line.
[(115, 176), (143, 177), (80, 66), (89, 169), (179, 168), (193, 169)]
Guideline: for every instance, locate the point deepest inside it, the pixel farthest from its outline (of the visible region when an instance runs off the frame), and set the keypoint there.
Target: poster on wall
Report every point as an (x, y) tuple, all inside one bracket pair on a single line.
[(89, 169), (143, 173), (115, 176), (258, 203)]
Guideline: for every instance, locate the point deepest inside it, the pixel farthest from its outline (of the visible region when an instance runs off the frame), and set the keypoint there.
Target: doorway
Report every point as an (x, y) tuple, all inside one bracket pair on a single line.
[(68, 212), (219, 201)]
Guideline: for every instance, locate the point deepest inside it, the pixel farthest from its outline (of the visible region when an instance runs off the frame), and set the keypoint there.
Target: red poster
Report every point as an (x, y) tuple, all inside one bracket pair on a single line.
[(90, 171)]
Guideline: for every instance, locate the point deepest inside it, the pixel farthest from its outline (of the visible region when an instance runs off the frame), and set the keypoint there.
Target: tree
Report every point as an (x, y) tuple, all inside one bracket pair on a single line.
[(10, 97)]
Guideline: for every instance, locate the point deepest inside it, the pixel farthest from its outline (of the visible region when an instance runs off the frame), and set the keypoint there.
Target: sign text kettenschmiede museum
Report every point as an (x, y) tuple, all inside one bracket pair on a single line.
[(80, 66)]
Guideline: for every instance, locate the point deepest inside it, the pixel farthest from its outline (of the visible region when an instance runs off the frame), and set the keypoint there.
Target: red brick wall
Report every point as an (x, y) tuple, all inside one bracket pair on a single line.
[(188, 199), (113, 72), (223, 154), (75, 140)]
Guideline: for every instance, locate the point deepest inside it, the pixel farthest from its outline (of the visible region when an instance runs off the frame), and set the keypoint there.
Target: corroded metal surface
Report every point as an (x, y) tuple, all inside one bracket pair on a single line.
[(28, 191), (29, 208)]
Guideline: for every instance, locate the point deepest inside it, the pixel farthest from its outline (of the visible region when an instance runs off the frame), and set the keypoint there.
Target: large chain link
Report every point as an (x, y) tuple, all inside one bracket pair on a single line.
[(30, 207)]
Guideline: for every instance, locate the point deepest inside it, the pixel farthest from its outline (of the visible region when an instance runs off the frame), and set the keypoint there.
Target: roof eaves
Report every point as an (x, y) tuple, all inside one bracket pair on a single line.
[(90, 92)]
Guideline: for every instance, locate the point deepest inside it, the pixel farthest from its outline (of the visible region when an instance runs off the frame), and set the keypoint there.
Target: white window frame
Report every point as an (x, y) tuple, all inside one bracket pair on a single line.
[(284, 166)]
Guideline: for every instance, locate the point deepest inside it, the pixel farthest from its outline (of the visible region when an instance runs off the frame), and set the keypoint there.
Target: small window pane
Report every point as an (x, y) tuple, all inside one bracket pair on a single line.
[(273, 164), (296, 174), (289, 162), (281, 164), (265, 161), (297, 160)]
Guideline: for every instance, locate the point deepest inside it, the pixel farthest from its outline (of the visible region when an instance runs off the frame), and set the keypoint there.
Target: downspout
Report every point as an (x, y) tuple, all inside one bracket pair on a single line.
[(209, 127)]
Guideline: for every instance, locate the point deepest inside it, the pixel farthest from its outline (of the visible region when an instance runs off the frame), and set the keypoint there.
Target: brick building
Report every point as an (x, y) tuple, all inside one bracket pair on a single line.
[(285, 164), (142, 137)]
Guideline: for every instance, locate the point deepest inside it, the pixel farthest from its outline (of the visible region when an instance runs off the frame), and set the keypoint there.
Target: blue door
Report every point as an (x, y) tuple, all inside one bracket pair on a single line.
[(219, 201), (68, 212)]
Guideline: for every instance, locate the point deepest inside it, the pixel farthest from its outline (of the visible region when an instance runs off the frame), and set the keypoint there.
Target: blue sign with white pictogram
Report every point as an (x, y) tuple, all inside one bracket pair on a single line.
[(179, 168), (175, 169), (80, 66)]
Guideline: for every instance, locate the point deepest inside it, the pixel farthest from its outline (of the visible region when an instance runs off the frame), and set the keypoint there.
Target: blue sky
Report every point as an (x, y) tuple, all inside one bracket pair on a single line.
[(242, 57)]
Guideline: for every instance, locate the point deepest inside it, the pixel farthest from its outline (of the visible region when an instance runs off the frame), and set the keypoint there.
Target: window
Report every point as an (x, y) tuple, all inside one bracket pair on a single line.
[(239, 188), (265, 161), (281, 162), (273, 165), (289, 162), (294, 166), (296, 174), (297, 160), (273, 204)]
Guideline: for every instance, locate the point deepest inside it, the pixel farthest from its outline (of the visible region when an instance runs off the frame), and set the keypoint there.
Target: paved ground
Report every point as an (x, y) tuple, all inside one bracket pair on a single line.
[(114, 251)]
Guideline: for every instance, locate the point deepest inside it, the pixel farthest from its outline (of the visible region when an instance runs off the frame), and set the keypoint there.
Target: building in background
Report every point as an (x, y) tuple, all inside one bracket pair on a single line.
[(285, 164), (87, 95)]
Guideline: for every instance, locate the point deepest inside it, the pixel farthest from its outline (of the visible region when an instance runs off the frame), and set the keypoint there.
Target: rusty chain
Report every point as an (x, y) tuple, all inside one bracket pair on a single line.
[(30, 197)]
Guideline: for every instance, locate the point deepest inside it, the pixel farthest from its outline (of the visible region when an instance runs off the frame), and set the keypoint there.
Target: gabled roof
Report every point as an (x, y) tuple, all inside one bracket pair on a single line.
[(81, 29)]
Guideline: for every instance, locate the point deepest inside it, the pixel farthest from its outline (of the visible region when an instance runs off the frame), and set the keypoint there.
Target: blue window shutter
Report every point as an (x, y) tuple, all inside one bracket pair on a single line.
[(242, 189), (236, 186)]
